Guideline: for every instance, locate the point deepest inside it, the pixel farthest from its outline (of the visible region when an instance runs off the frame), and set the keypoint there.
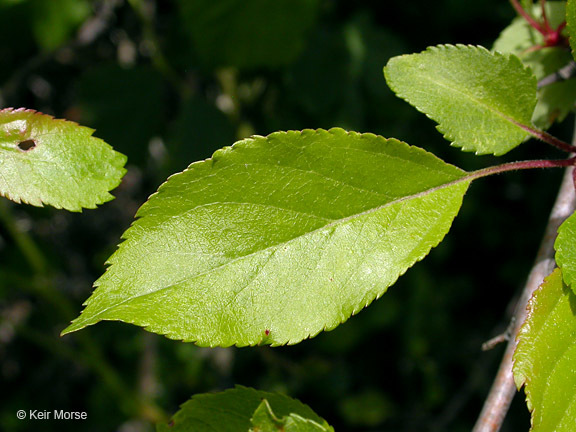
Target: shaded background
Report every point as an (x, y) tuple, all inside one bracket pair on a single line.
[(169, 82)]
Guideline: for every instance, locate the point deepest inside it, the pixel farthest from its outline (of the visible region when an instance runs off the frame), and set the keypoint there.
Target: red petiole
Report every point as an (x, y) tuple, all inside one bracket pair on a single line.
[(552, 38)]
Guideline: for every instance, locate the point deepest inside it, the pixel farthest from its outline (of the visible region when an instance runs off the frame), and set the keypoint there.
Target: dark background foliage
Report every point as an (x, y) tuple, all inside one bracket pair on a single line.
[(169, 82)]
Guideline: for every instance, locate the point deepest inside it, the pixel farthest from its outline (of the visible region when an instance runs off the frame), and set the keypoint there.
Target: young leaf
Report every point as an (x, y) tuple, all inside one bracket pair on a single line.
[(482, 101), (55, 162), (565, 251), (555, 101), (264, 420), (277, 238), (236, 409), (571, 24), (545, 356)]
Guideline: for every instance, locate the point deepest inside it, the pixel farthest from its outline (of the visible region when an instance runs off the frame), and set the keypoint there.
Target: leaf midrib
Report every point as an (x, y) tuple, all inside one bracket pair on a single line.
[(507, 118), (463, 179)]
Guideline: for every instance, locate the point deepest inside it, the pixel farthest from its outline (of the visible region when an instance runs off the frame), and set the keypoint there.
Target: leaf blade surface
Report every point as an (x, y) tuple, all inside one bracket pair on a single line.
[(232, 410), (479, 99), (55, 162), (545, 355), (277, 238)]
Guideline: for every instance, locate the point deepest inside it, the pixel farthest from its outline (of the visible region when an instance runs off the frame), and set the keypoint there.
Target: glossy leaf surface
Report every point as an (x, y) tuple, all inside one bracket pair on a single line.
[(277, 238), (479, 99), (233, 410), (545, 356), (565, 251), (55, 162), (555, 101)]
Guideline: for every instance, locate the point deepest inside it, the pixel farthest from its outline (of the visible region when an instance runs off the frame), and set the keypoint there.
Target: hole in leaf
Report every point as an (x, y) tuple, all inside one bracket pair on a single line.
[(27, 145)]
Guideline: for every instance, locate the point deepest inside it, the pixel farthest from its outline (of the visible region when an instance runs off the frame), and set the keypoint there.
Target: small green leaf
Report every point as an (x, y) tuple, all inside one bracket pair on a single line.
[(235, 410), (565, 251), (264, 420), (482, 101), (555, 101), (571, 24), (277, 238), (55, 162), (546, 354)]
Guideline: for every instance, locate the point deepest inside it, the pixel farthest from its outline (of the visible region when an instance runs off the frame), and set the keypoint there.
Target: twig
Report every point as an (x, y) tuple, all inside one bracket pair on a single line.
[(502, 337), (562, 74), (503, 389)]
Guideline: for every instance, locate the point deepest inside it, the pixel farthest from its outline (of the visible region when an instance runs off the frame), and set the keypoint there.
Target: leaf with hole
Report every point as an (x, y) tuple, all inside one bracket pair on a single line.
[(55, 162), (545, 356), (482, 101), (240, 409), (277, 238)]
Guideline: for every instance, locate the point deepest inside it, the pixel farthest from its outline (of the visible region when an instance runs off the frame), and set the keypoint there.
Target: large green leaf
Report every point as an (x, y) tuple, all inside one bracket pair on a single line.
[(565, 250), (55, 162), (571, 24), (482, 101), (546, 354), (277, 238), (248, 33), (233, 411), (555, 101)]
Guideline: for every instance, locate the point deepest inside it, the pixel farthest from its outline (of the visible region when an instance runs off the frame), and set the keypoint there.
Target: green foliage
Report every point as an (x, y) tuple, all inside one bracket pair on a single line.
[(556, 100), (565, 251), (241, 408), (482, 101), (55, 21), (276, 239), (264, 420), (545, 356), (248, 34), (571, 21), (55, 162)]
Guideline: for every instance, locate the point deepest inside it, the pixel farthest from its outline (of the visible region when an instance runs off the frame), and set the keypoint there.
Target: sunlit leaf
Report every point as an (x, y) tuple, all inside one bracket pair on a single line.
[(277, 238), (55, 162), (482, 101), (233, 411), (546, 354)]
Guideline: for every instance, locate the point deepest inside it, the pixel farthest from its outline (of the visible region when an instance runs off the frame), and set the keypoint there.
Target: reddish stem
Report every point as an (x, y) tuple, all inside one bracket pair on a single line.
[(533, 23), (545, 21), (529, 164), (547, 138)]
